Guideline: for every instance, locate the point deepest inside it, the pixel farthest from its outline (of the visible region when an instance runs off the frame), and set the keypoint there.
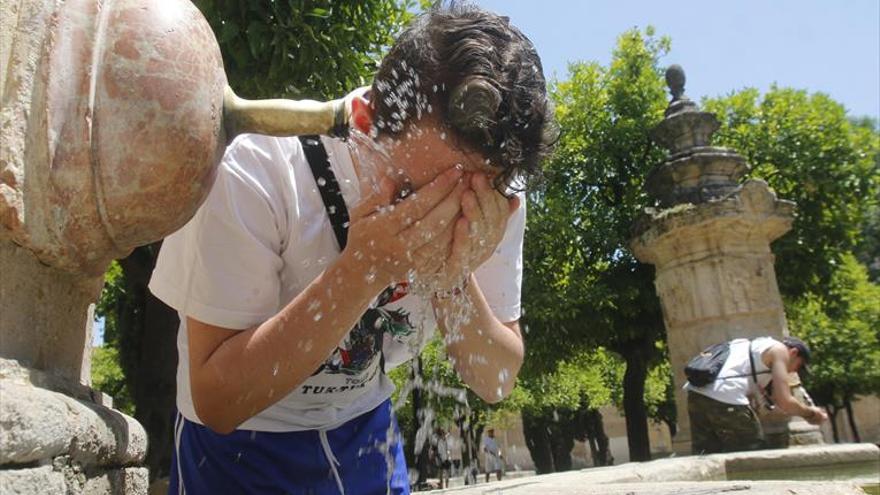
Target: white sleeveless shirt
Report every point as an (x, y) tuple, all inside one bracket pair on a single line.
[(734, 384)]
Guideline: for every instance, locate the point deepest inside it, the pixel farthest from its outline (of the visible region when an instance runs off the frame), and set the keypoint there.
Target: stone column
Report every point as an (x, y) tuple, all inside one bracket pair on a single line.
[(111, 130), (709, 237)]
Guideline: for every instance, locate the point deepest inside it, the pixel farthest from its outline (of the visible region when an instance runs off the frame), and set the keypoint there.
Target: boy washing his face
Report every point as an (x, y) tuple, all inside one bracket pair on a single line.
[(294, 304)]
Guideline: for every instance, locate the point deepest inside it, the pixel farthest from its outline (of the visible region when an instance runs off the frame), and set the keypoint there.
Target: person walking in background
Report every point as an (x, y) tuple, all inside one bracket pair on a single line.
[(494, 457), (442, 457), (454, 442)]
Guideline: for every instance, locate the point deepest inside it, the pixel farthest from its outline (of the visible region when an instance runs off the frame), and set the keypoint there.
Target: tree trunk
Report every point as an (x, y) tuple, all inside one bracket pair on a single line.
[(598, 439), (594, 450), (471, 432), (832, 415), (537, 435), (634, 407), (561, 443), (148, 355), (420, 452), (852, 420)]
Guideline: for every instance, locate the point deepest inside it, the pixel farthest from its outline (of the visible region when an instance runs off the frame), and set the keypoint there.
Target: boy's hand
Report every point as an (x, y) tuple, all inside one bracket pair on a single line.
[(387, 240), (478, 232)]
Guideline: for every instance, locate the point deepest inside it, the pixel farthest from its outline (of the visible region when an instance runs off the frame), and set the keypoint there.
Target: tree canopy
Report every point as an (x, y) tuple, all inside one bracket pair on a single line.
[(808, 151), (303, 48), (842, 327), (582, 286)]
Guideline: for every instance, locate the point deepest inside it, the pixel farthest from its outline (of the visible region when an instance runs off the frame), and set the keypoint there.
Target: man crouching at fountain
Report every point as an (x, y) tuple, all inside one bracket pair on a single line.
[(316, 265), (721, 416)]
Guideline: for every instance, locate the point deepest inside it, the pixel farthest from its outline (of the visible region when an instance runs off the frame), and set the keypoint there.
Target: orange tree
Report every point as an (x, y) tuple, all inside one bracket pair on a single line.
[(582, 286)]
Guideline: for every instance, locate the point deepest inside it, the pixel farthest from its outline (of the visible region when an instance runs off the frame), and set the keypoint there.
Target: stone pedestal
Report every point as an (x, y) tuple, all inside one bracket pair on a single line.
[(110, 131), (715, 276), (61, 437), (709, 237)]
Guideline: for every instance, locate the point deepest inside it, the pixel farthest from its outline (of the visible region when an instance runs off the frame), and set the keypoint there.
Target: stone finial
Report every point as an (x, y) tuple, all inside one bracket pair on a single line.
[(695, 171), (675, 79)]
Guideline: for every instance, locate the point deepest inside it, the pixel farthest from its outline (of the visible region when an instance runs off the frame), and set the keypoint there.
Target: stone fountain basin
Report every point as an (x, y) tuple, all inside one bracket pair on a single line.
[(701, 475)]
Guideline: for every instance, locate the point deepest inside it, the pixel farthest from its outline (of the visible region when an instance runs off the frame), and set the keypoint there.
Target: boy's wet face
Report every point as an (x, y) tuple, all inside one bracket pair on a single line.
[(427, 149)]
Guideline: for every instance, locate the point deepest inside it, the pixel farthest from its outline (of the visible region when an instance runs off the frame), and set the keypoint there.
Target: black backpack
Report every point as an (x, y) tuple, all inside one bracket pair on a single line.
[(703, 368)]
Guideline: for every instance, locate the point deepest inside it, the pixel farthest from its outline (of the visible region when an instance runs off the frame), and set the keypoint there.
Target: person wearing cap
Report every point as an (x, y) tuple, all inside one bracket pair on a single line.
[(721, 414)]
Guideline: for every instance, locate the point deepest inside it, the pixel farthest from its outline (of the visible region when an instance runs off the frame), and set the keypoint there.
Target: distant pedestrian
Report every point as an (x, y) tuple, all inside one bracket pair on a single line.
[(494, 457), (442, 457), (454, 442)]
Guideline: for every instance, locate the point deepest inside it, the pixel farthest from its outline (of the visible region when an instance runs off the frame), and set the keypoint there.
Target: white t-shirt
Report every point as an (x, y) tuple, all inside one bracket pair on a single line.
[(735, 384), (259, 239)]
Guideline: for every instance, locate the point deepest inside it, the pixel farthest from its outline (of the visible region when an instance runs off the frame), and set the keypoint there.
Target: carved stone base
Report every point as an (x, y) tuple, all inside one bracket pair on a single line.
[(67, 443), (802, 433)]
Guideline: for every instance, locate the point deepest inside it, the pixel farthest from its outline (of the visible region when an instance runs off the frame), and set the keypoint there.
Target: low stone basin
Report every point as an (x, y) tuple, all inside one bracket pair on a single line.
[(703, 475)]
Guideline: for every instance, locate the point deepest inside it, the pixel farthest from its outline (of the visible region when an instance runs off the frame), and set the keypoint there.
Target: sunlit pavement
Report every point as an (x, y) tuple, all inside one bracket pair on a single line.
[(458, 481)]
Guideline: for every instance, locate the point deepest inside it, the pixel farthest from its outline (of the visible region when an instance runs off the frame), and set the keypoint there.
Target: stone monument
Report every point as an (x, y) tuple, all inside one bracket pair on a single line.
[(709, 237), (114, 116)]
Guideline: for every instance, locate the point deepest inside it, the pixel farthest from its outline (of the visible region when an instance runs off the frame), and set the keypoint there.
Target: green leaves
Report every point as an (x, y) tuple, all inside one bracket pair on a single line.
[(807, 149), (842, 327), (582, 287), (303, 48), (107, 376)]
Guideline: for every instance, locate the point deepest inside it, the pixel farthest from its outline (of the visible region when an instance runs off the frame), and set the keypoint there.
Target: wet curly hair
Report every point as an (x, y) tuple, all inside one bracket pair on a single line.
[(482, 77)]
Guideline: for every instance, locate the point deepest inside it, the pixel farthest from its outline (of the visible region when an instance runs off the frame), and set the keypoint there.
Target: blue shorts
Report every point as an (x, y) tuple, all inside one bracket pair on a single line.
[(295, 463)]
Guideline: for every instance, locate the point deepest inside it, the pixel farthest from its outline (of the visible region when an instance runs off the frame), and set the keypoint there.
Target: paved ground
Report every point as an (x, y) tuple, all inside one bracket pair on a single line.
[(573, 484)]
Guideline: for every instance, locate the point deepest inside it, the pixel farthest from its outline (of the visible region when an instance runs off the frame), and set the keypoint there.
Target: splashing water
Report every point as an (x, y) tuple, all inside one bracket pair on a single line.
[(405, 96)]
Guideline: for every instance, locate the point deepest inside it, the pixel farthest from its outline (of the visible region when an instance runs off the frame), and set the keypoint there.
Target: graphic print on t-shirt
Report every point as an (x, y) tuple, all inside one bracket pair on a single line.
[(364, 342)]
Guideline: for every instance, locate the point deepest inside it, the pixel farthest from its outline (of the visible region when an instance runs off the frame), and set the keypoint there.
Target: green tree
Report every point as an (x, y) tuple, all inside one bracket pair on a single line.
[(108, 378), (582, 287), (562, 405), (868, 250), (298, 49), (842, 328), (303, 48), (807, 149)]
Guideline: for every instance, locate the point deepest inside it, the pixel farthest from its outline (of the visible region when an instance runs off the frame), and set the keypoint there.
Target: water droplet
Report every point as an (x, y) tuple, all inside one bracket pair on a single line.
[(275, 369), (318, 316), (322, 181)]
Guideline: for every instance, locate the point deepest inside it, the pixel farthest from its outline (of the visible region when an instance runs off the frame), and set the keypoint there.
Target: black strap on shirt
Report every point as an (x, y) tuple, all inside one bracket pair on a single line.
[(331, 195), (763, 391), (328, 186)]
